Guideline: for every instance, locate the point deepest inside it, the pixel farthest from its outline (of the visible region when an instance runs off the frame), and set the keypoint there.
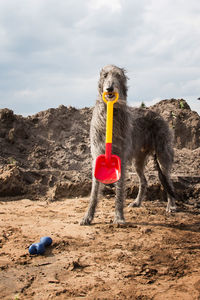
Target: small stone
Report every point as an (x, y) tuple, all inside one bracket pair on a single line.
[(146, 230)]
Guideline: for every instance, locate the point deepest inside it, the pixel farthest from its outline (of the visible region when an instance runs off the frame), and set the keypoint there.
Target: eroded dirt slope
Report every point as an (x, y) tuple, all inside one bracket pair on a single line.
[(48, 154)]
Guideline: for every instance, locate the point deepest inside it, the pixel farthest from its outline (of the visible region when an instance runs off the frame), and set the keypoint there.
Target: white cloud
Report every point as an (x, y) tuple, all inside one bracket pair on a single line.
[(24, 93), (113, 5), (51, 51)]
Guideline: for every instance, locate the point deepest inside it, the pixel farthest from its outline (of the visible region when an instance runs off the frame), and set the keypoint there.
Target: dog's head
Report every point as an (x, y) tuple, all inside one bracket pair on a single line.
[(113, 79)]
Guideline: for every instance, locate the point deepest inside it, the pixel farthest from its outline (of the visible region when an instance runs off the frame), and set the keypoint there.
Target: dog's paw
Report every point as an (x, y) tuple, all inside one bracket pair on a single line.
[(135, 204), (86, 221), (171, 209), (119, 221)]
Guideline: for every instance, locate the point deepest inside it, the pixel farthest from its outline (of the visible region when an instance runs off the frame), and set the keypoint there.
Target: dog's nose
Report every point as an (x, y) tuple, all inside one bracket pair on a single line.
[(110, 89)]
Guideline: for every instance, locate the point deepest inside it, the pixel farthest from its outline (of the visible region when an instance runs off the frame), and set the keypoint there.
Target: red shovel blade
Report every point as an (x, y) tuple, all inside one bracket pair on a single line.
[(107, 171)]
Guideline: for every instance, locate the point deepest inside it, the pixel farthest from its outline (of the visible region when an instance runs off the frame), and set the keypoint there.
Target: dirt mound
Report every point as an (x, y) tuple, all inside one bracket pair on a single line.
[(47, 150), (184, 122), (48, 154)]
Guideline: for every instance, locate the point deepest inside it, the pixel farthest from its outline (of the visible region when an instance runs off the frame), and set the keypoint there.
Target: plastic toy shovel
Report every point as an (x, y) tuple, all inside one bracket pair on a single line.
[(108, 166)]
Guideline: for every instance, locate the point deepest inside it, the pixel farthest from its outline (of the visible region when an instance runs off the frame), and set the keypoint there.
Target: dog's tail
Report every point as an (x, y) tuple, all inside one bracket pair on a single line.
[(163, 179)]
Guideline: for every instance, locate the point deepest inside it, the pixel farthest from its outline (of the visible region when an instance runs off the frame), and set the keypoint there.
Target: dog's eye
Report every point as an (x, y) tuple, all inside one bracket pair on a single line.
[(118, 75), (105, 75)]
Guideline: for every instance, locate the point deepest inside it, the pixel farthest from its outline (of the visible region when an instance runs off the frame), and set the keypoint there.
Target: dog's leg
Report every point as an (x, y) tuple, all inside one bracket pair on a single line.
[(171, 204), (139, 166), (87, 219), (165, 161), (119, 202)]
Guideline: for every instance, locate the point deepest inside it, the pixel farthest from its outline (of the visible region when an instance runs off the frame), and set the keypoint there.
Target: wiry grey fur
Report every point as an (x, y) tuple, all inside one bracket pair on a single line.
[(137, 133)]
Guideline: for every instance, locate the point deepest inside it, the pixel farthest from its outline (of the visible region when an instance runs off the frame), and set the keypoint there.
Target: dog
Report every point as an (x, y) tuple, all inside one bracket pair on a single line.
[(137, 133)]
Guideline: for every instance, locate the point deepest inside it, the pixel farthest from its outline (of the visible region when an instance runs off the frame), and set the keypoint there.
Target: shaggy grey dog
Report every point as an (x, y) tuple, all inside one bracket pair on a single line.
[(137, 133)]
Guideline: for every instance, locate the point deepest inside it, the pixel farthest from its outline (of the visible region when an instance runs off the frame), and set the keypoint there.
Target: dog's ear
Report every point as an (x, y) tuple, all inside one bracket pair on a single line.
[(124, 79), (100, 80), (100, 84), (101, 72), (125, 73)]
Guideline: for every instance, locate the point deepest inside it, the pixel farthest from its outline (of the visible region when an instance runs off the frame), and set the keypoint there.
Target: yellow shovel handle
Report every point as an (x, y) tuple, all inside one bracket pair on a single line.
[(109, 119)]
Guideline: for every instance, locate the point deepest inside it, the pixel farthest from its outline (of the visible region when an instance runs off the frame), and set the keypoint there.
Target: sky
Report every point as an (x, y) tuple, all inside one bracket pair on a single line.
[(51, 51)]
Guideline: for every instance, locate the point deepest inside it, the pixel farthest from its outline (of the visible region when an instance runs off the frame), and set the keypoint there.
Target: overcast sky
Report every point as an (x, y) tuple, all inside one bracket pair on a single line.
[(51, 51)]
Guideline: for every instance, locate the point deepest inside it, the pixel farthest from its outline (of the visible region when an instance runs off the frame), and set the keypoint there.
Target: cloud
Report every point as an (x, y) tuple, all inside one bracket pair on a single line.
[(113, 5), (51, 51)]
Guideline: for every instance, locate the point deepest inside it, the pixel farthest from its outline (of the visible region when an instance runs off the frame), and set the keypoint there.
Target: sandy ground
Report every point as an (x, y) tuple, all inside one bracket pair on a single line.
[(155, 256)]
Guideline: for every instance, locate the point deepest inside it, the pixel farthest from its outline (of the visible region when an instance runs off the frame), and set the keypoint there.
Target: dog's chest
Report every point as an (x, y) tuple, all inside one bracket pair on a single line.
[(98, 128)]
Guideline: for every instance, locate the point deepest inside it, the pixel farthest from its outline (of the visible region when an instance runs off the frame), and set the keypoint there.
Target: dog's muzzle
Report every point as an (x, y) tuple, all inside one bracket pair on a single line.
[(110, 92), (110, 95)]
